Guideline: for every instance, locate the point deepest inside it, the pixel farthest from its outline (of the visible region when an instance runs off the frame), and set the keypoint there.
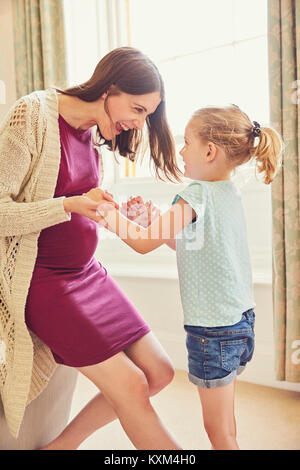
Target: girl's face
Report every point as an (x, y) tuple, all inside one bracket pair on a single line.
[(126, 112), (203, 161), (194, 154)]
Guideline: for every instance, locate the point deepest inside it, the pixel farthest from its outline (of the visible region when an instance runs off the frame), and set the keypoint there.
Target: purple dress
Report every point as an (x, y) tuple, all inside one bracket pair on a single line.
[(73, 304)]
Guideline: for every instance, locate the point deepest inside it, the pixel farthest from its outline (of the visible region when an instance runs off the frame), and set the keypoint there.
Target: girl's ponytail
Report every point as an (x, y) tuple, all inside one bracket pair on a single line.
[(267, 153)]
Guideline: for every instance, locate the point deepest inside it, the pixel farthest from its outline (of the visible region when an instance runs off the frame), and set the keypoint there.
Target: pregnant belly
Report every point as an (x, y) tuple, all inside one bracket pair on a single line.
[(70, 244)]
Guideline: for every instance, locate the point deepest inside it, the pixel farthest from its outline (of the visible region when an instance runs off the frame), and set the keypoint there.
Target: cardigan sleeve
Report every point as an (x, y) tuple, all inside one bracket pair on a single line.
[(17, 145)]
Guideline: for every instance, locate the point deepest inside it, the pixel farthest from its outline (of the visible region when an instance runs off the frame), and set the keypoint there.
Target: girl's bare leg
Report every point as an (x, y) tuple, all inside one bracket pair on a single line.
[(145, 369), (218, 416)]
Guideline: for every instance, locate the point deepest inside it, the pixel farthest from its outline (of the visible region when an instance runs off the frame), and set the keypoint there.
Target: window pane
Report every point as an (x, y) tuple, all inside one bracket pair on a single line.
[(250, 18), (174, 27), (195, 81), (209, 53), (83, 49), (235, 74), (141, 168), (251, 79)]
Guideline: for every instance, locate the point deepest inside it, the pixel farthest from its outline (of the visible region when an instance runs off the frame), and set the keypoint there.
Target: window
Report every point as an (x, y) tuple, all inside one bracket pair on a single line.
[(212, 52), (208, 53)]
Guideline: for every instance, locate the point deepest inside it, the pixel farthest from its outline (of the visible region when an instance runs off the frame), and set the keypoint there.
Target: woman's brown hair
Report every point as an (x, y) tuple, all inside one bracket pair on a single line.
[(231, 128), (128, 70)]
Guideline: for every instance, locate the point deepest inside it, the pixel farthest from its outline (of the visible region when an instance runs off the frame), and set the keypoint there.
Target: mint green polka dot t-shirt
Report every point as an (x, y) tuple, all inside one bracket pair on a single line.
[(213, 259)]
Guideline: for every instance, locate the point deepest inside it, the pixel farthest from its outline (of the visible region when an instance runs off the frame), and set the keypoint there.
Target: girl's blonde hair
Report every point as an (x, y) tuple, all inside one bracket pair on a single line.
[(230, 128)]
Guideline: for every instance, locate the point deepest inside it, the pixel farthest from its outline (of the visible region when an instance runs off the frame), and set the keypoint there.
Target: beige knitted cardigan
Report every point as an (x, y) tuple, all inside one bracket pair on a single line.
[(29, 166)]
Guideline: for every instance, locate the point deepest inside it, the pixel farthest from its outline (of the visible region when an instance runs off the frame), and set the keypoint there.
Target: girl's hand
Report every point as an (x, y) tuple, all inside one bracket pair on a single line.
[(98, 195), (141, 213)]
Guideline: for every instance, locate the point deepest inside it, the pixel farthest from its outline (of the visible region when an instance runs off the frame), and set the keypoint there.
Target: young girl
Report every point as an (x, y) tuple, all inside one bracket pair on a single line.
[(207, 227)]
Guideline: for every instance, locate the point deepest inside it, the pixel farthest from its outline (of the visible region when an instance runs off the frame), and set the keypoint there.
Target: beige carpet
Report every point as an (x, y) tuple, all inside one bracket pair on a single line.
[(267, 418)]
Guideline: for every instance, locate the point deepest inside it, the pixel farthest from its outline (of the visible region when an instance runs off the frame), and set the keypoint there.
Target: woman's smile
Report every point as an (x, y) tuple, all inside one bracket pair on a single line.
[(120, 127), (125, 112)]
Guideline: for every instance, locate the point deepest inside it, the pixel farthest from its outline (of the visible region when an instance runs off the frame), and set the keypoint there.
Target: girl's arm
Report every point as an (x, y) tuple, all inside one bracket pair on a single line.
[(162, 230), (171, 243)]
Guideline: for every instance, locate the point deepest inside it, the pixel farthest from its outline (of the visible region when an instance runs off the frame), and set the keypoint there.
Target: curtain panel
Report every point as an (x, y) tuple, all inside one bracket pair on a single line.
[(284, 76), (39, 38)]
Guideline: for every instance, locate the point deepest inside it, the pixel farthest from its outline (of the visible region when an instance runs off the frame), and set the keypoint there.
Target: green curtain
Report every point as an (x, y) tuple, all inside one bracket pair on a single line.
[(284, 73), (39, 40)]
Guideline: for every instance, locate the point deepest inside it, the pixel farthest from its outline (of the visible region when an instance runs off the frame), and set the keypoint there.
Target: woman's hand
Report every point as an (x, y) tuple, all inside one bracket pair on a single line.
[(86, 206), (98, 195)]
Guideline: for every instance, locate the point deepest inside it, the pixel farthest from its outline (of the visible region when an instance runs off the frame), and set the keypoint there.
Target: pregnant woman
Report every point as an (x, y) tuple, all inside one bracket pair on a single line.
[(75, 314)]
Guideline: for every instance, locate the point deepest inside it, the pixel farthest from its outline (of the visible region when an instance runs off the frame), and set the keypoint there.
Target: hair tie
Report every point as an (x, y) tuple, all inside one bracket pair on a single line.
[(256, 130)]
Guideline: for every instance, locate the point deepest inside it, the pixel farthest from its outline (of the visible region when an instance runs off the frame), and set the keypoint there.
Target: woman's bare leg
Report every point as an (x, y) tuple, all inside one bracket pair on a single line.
[(150, 358), (218, 416), (126, 388), (97, 413)]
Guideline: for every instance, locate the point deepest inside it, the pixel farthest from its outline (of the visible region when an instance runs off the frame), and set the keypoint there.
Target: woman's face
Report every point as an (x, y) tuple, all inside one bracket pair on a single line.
[(127, 112)]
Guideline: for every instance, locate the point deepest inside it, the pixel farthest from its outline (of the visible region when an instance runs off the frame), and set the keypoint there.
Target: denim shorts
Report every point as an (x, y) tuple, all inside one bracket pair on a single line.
[(217, 355)]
